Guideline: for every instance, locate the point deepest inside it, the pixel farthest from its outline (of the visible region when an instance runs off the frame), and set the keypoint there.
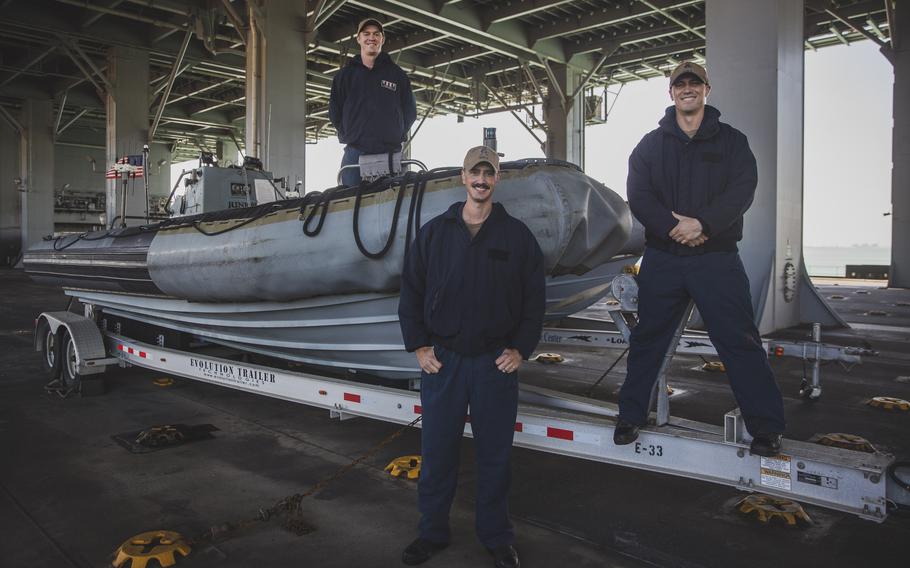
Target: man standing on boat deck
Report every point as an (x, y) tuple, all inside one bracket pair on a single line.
[(471, 308), (371, 106), (690, 182)]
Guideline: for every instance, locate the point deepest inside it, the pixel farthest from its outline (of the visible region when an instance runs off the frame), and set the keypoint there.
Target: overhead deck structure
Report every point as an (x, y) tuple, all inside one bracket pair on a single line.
[(255, 76), (467, 57)]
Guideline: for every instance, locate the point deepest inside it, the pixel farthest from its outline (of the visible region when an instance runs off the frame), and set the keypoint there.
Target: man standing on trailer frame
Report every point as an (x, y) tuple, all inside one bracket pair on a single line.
[(690, 182), (471, 308), (371, 105)]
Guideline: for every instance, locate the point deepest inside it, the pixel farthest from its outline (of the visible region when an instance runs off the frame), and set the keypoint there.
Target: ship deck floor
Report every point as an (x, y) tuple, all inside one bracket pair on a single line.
[(69, 494)]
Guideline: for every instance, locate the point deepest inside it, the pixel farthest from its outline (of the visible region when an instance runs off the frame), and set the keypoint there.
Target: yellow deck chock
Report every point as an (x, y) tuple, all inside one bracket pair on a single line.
[(158, 545), (889, 403), (848, 442), (767, 508), (163, 382), (714, 367), (548, 358), (408, 466)]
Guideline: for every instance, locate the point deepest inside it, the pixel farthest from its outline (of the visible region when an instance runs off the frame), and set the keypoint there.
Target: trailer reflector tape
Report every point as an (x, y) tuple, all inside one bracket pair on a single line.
[(418, 409), (350, 397), (559, 433), (130, 350), (143, 354), (120, 347)]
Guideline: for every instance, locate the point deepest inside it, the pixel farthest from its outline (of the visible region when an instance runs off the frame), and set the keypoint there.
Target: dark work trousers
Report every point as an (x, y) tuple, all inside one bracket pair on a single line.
[(445, 397), (718, 283), (351, 176)]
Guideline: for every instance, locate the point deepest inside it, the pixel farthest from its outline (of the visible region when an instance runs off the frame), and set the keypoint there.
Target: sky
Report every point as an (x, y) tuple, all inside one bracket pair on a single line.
[(847, 157)]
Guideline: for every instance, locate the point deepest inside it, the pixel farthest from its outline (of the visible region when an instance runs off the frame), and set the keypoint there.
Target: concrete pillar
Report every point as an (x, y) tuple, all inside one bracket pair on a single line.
[(36, 166), (757, 78), (127, 108), (900, 150), (10, 231), (276, 88), (565, 122)]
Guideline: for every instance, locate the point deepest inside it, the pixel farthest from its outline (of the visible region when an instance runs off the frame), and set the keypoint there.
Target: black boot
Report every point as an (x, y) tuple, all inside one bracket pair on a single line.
[(505, 556), (420, 551), (766, 445), (625, 433)]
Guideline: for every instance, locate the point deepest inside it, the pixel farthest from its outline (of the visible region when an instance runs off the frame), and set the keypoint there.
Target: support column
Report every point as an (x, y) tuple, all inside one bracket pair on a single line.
[(757, 78), (565, 122), (900, 150), (276, 87), (127, 108), (10, 229), (36, 166)]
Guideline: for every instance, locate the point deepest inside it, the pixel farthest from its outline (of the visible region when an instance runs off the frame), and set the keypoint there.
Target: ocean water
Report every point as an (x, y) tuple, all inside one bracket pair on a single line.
[(832, 261)]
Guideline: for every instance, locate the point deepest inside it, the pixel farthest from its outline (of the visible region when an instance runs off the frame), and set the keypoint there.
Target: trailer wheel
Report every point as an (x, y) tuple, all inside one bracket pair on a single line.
[(50, 349), (69, 372)]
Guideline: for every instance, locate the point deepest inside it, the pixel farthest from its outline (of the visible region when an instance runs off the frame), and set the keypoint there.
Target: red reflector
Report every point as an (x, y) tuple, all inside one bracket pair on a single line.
[(779, 351), (559, 433), (323, 393), (120, 347), (518, 427), (142, 354), (418, 409), (352, 397), (130, 350)]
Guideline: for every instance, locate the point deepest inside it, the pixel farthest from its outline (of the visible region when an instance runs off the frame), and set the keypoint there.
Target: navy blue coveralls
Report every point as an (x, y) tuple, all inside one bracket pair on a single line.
[(371, 109), (470, 299), (711, 177)]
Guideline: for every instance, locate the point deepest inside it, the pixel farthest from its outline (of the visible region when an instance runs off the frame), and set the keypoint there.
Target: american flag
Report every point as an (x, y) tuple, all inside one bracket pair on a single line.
[(130, 166)]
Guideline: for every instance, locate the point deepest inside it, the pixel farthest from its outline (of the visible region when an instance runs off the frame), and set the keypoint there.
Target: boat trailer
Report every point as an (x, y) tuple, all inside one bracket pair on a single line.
[(863, 484)]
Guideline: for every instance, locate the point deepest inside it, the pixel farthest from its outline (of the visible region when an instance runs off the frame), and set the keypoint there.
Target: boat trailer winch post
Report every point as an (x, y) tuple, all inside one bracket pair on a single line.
[(548, 421)]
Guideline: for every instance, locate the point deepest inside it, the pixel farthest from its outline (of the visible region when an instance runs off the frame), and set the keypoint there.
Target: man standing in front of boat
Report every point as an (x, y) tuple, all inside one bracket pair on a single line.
[(690, 182), (471, 309), (371, 105)]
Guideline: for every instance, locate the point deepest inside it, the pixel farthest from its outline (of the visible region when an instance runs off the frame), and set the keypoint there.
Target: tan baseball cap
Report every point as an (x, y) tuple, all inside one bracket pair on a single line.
[(370, 22), (689, 68), (481, 154)]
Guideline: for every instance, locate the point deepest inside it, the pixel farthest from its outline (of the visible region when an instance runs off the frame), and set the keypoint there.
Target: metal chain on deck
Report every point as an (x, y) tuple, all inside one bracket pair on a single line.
[(290, 506)]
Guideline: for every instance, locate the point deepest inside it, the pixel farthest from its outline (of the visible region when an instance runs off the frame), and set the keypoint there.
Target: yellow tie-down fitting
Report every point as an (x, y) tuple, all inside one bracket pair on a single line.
[(408, 466), (158, 545), (767, 508)]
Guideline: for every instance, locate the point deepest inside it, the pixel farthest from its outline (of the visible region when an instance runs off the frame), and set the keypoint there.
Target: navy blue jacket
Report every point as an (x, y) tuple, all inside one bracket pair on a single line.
[(372, 109), (710, 177), (473, 296)]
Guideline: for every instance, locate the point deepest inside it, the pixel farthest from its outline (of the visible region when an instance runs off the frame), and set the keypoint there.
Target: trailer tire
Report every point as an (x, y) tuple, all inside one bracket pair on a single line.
[(50, 347), (69, 372)]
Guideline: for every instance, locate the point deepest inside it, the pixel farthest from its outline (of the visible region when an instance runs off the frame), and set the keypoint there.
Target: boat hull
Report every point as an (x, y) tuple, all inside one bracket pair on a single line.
[(356, 333)]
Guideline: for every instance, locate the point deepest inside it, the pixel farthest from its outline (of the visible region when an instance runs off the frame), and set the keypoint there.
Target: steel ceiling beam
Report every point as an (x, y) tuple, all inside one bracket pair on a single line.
[(458, 55), (519, 9), (601, 44), (464, 22), (605, 17), (34, 61), (170, 81), (98, 15), (666, 13)]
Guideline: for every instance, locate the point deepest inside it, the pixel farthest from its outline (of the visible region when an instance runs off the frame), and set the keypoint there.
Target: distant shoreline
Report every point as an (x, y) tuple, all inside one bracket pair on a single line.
[(832, 261)]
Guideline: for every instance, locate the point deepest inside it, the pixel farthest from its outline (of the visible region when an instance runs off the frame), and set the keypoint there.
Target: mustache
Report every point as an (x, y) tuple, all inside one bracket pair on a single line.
[(480, 185)]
